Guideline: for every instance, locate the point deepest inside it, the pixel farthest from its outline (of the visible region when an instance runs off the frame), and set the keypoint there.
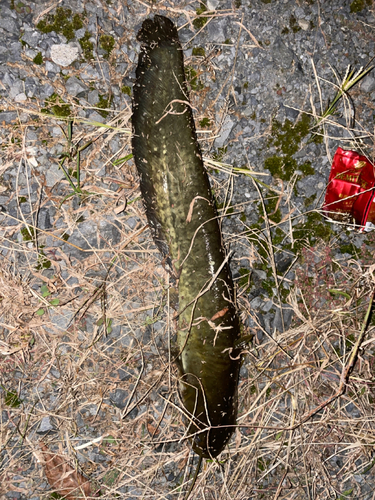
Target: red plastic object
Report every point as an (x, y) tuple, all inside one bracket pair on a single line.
[(350, 195)]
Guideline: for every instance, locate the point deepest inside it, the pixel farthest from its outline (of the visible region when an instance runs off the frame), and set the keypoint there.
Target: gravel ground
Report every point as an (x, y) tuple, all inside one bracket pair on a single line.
[(84, 306)]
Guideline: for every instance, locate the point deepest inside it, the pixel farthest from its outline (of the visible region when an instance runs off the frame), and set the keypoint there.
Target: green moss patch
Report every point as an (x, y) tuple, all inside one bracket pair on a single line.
[(288, 136), (11, 398), (199, 51), (306, 168), (306, 233), (220, 153), (87, 46), (271, 204), (294, 26), (281, 167), (192, 79), (43, 261), (125, 89), (38, 59), (308, 201), (199, 22), (205, 122), (107, 43), (348, 248), (55, 105), (104, 103), (278, 236), (28, 233), (359, 5), (62, 22)]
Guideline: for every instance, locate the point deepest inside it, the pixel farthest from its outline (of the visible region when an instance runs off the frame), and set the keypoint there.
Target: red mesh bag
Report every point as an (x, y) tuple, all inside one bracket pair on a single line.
[(350, 195)]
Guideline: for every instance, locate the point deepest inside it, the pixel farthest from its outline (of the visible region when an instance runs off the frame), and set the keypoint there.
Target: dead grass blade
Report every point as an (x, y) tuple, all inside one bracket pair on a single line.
[(348, 368)]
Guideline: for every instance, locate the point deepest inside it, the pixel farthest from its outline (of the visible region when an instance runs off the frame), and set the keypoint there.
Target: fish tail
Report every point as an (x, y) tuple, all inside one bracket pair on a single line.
[(197, 469)]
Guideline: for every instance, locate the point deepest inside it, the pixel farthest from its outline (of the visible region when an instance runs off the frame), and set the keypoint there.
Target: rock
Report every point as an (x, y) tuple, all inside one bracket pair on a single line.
[(103, 69), (256, 303), (267, 305), (303, 24), (224, 132), (64, 55), (283, 261), (212, 4), (268, 320), (87, 72), (368, 83), (8, 79), (8, 116), (31, 87), (119, 398), (16, 89), (216, 31), (31, 38), (110, 232), (56, 132), (8, 24), (45, 426), (123, 375), (262, 275), (132, 222), (44, 221), (52, 68), (114, 145), (3, 54), (60, 318), (15, 50), (54, 174), (75, 87), (281, 324), (96, 117), (93, 97), (84, 237), (290, 112), (20, 97), (352, 410), (46, 91), (80, 33), (281, 54), (55, 373)]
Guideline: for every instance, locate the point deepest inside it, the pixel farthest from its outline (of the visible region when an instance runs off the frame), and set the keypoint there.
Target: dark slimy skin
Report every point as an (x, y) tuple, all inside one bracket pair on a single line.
[(182, 216)]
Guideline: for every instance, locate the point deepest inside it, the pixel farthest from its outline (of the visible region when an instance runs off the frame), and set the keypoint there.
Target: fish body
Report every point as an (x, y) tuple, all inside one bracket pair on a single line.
[(183, 220)]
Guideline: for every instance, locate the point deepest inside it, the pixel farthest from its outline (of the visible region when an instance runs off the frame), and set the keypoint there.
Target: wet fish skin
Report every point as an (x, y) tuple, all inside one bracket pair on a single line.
[(183, 220)]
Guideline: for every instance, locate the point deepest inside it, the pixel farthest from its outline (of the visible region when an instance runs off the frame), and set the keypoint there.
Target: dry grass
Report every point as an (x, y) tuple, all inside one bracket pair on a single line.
[(79, 324)]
